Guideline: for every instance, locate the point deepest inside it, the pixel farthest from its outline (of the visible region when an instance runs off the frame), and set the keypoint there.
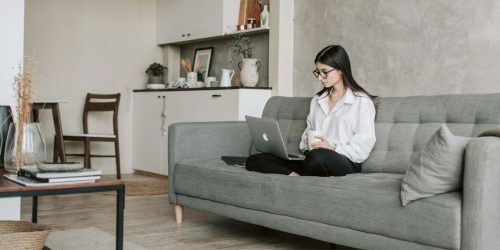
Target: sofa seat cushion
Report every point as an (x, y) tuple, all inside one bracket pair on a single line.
[(366, 202)]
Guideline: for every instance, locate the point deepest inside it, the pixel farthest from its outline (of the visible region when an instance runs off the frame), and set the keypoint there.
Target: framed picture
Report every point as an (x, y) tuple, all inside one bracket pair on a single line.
[(202, 61)]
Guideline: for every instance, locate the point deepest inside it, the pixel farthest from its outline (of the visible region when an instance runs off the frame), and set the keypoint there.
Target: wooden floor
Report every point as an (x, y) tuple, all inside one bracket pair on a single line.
[(150, 222)]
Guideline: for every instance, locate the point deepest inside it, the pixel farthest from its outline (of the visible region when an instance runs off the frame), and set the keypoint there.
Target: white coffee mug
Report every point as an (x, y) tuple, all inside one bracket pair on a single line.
[(192, 77), (209, 80), (311, 137)]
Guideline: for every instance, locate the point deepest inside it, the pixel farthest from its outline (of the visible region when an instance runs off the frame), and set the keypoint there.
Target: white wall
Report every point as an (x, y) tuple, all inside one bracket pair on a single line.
[(11, 46), (11, 54), (98, 46)]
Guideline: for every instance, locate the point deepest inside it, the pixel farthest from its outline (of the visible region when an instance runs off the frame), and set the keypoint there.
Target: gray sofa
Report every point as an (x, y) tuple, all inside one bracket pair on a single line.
[(362, 211)]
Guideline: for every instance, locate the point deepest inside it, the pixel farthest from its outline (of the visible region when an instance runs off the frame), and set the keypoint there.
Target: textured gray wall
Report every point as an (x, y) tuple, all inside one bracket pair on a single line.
[(401, 48), (222, 58)]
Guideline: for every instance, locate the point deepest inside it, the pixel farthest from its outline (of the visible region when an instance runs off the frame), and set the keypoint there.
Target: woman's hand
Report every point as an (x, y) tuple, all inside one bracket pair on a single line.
[(322, 143)]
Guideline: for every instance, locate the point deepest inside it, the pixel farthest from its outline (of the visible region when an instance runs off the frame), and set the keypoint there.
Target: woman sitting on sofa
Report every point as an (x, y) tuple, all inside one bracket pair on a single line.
[(344, 114)]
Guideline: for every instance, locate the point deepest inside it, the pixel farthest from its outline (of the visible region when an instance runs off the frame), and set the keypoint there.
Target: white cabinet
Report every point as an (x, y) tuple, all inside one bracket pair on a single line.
[(185, 20), (147, 129), (221, 105), (150, 127)]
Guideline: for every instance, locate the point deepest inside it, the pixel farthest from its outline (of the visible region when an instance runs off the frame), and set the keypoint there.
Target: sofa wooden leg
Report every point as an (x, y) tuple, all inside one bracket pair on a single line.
[(178, 214)]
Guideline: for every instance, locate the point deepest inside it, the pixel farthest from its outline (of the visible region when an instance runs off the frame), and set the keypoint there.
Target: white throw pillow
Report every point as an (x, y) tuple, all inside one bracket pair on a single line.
[(437, 168)]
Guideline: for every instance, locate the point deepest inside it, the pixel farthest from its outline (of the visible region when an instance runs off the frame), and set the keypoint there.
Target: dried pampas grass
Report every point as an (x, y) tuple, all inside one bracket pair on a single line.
[(23, 94)]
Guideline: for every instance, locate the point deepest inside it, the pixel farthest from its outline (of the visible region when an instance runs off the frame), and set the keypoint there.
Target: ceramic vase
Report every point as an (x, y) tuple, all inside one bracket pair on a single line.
[(155, 79), (264, 18), (24, 149), (249, 72)]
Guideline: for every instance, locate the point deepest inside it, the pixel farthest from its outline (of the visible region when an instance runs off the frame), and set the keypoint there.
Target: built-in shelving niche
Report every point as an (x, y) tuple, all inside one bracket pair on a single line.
[(223, 57)]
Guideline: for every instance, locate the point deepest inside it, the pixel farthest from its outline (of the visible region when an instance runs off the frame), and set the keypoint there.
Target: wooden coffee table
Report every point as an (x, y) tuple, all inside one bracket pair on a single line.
[(12, 189)]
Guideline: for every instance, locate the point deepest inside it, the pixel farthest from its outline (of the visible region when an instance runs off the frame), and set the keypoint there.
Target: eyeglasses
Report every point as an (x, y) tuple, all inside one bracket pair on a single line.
[(323, 74)]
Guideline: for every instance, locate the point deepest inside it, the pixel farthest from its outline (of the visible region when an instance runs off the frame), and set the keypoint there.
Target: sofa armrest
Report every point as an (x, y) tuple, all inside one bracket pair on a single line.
[(204, 139), (481, 195)]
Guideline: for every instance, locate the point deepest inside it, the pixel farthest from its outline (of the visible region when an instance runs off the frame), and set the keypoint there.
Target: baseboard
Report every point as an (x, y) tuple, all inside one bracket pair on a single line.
[(146, 173)]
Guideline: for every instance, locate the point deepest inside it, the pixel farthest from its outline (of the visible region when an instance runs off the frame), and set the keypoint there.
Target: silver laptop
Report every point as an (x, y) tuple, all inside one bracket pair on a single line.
[(266, 137)]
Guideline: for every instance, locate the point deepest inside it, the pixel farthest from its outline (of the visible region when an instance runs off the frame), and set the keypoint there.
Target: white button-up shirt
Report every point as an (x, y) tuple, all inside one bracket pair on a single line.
[(350, 125)]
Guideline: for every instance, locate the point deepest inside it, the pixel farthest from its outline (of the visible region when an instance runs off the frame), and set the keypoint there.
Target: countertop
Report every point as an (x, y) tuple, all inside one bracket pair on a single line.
[(191, 89)]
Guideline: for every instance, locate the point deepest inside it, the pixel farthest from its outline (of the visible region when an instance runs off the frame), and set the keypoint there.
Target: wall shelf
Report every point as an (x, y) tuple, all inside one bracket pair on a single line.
[(255, 31)]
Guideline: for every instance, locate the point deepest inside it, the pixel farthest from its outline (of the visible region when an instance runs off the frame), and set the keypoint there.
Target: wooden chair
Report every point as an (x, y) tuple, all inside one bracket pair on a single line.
[(98, 103)]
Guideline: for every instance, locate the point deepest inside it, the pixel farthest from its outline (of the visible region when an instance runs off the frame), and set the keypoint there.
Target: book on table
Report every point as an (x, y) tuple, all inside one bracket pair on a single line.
[(81, 175), (34, 183), (58, 179), (33, 171)]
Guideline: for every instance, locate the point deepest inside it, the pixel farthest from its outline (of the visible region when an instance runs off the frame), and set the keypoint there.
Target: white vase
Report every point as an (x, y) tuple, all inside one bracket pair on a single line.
[(249, 72), (264, 18)]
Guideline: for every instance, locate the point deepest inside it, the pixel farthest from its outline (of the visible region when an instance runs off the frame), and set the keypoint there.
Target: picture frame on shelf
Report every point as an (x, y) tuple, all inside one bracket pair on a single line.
[(202, 62)]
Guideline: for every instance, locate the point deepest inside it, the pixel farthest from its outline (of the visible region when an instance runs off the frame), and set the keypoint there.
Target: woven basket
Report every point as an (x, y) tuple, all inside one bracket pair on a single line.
[(22, 235)]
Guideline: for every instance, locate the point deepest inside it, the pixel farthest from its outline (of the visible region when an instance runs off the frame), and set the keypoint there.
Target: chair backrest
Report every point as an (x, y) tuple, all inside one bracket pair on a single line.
[(5, 120), (101, 103), (403, 124)]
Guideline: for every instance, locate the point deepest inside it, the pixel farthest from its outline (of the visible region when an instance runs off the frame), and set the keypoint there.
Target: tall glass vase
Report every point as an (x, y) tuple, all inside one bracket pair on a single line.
[(25, 148)]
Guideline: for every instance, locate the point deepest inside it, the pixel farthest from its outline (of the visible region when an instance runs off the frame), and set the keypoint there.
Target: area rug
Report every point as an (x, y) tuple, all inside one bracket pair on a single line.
[(145, 187), (84, 239)]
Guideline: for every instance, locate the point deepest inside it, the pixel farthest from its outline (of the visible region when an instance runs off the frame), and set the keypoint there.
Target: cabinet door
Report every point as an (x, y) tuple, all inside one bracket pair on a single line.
[(147, 133), (184, 20), (217, 105), (180, 107), (252, 102)]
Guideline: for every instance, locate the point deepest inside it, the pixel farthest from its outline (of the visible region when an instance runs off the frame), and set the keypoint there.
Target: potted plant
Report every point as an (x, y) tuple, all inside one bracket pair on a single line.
[(242, 45), (249, 67), (155, 72)]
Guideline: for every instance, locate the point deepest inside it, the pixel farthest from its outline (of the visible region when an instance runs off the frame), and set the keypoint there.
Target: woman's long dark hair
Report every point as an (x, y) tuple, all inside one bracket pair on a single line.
[(335, 56)]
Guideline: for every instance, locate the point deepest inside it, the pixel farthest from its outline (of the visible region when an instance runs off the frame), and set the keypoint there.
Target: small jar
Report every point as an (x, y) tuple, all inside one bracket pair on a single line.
[(240, 27)]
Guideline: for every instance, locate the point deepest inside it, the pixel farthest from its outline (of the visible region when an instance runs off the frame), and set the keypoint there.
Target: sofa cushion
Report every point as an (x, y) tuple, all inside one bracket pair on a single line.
[(404, 125), (367, 202), (437, 168)]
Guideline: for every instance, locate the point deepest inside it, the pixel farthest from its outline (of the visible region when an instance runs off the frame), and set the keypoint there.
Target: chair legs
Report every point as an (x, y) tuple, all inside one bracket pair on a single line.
[(117, 157), (56, 151), (86, 160), (87, 163)]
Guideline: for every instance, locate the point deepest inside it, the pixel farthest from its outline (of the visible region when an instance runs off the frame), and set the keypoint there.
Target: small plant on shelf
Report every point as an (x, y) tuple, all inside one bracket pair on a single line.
[(241, 45), (156, 69), (155, 72)]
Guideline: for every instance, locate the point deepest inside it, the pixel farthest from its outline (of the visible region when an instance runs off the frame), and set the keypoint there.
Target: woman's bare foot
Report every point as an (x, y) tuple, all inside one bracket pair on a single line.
[(293, 174)]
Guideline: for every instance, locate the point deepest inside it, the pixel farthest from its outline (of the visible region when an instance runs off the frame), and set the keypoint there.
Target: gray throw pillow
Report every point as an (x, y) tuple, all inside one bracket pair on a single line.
[(437, 168)]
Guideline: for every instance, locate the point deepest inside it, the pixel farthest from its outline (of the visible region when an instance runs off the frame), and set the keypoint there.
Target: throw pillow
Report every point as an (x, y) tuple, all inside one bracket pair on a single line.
[(492, 132), (437, 168)]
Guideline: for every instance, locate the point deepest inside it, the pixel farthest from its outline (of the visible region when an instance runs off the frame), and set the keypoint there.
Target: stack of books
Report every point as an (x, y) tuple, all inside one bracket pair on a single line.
[(32, 176)]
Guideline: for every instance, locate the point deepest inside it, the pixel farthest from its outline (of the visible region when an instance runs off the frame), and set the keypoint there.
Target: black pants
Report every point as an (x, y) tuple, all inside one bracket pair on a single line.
[(318, 162)]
